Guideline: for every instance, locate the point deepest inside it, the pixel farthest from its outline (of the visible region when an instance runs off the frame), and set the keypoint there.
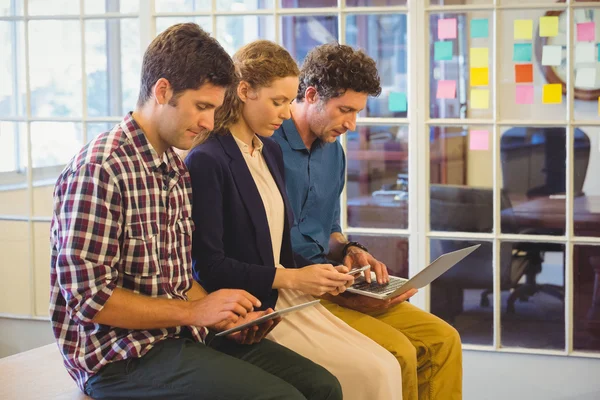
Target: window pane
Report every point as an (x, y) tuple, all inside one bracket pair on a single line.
[(587, 75), (308, 3), (392, 251), (537, 94), (181, 5), (504, 2), (463, 296), (55, 81), (12, 69), (377, 184), (165, 22), (11, 7), (375, 3), (54, 143), (461, 177), (96, 128), (101, 7), (112, 66), (533, 312), (14, 199), (14, 267), (586, 299), (243, 5), (301, 33), (234, 32), (41, 260), (533, 180), (586, 182), (53, 7), (461, 67), (384, 38)]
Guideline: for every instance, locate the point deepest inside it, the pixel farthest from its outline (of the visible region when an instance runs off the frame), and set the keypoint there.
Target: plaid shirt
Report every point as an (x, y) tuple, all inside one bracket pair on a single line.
[(122, 219)]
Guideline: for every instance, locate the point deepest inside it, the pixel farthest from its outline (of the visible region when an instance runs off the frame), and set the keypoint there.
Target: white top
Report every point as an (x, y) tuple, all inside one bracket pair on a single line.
[(268, 190)]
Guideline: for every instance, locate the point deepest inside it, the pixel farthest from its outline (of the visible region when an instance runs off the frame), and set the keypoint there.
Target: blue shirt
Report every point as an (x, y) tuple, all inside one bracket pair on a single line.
[(314, 181)]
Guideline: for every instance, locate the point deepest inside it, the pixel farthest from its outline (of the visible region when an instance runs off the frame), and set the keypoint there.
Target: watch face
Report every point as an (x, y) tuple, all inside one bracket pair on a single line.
[(562, 39)]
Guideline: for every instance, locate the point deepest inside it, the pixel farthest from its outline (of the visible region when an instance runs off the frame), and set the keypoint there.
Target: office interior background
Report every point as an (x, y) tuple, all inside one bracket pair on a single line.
[(487, 131)]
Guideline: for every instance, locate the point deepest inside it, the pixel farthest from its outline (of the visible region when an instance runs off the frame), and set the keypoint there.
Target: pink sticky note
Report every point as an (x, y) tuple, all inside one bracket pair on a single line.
[(586, 32), (479, 140), (446, 90), (447, 28), (524, 94)]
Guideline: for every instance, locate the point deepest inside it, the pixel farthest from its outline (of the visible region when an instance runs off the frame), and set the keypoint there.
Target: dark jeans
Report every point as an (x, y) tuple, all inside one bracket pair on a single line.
[(183, 369)]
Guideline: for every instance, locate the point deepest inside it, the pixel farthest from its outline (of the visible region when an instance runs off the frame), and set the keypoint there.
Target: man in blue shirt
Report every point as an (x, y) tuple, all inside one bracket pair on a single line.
[(335, 82)]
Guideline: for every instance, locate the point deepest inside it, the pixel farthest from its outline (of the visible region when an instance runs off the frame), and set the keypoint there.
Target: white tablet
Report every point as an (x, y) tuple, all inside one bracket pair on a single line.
[(267, 317)]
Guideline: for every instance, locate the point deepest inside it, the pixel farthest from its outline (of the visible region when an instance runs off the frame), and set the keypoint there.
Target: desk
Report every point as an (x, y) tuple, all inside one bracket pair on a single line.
[(549, 213)]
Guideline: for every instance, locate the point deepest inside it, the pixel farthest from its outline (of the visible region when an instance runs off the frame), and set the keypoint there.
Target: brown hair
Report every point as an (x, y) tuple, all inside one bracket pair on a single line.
[(334, 68), (259, 63), (187, 57)]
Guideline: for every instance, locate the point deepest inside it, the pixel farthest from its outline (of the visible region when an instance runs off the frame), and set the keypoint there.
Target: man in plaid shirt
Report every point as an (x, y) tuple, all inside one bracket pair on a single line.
[(128, 317)]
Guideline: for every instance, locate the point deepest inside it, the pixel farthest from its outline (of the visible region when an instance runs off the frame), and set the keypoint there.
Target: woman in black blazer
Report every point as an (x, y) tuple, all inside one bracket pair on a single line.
[(243, 221)]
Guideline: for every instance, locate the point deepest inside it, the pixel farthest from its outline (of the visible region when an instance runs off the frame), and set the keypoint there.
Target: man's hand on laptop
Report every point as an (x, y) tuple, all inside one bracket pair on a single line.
[(356, 257), (367, 304), (251, 335)]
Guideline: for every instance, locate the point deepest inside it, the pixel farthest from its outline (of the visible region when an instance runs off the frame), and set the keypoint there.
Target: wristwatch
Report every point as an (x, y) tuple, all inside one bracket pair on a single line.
[(353, 244)]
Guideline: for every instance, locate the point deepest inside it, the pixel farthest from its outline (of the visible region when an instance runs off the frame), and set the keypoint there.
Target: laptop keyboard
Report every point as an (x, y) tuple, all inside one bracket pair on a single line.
[(375, 287)]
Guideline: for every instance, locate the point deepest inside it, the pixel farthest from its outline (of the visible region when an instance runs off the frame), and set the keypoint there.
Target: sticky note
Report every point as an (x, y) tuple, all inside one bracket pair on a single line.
[(598, 51), (585, 53), (479, 76), (397, 102), (479, 140), (524, 94), (586, 32), (552, 93), (479, 28), (479, 57), (552, 55), (548, 26), (447, 28), (523, 29), (585, 78), (524, 73), (443, 51), (480, 99), (446, 90), (522, 52), (598, 105)]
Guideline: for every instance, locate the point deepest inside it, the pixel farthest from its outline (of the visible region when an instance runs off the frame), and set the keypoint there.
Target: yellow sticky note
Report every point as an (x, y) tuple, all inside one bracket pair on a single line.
[(523, 29), (480, 99), (598, 105), (479, 77), (552, 94), (479, 57), (548, 26)]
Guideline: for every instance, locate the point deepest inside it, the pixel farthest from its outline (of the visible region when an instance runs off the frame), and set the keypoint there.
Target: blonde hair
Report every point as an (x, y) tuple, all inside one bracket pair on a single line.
[(259, 63)]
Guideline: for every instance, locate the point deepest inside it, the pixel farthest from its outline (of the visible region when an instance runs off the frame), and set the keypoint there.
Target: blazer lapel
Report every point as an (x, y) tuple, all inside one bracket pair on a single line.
[(250, 197)]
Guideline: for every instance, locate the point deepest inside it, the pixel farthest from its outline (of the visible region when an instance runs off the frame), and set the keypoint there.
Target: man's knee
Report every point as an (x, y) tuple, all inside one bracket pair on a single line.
[(324, 386)]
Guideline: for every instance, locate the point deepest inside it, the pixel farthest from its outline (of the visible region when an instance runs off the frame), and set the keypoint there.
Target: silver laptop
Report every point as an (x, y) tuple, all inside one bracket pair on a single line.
[(396, 286)]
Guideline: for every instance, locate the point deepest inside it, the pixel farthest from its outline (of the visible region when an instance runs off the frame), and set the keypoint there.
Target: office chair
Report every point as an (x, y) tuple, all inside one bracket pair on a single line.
[(468, 209), (534, 165)]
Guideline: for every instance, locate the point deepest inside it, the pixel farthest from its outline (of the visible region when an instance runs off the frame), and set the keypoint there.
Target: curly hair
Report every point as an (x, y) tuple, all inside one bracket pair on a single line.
[(259, 63), (334, 68), (187, 57)]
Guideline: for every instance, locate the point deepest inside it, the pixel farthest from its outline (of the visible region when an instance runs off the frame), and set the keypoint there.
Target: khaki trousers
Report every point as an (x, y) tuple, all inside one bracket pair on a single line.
[(427, 348)]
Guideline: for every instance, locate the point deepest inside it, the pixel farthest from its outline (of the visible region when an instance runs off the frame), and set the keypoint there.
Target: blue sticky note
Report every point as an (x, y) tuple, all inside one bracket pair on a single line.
[(479, 28), (598, 51), (522, 52), (442, 51), (397, 102)]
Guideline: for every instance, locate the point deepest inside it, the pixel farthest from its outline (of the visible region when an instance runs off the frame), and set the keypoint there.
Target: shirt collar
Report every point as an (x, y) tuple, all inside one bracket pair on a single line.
[(292, 135), (149, 156), (256, 142)]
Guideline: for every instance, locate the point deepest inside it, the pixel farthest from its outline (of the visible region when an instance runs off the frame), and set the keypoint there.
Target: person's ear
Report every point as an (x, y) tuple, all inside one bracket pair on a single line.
[(243, 91), (311, 96), (162, 91)]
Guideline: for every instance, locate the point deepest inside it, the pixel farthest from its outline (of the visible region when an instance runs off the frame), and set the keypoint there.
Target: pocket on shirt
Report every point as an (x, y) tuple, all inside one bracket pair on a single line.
[(140, 253)]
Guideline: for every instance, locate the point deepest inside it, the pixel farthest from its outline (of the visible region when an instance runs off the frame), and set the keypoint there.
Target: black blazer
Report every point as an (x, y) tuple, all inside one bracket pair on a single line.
[(231, 245)]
